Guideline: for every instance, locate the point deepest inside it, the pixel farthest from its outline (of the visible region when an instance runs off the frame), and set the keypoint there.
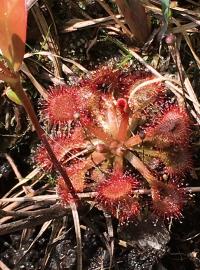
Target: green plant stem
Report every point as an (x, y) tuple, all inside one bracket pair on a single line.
[(16, 85)]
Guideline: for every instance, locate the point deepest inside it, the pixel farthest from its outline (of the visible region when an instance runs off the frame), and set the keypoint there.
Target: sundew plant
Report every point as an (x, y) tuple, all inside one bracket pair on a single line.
[(116, 132)]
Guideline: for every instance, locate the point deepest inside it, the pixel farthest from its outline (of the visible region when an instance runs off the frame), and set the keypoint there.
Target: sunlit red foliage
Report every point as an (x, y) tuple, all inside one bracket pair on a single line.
[(13, 17), (120, 123)]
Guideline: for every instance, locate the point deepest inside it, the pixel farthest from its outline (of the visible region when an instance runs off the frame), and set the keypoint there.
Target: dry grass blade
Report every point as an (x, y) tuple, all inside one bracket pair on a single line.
[(123, 27), (13, 166), (111, 238), (26, 189), (42, 230), (48, 37), (30, 3), (57, 226), (75, 25), (86, 196), (3, 266), (184, 12), (39, 88), (190, 27), (173, 6), (193, 2), (15, 204), (23, 181), (56, 212), (187, 39), (184, 78), (191, 19), (31, 199), (78, 236), (55, 55), (155, 7), (176, 90), (27, 213)]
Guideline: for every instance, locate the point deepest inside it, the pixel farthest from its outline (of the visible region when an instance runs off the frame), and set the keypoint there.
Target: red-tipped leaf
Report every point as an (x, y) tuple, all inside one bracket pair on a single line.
[(13, 23)]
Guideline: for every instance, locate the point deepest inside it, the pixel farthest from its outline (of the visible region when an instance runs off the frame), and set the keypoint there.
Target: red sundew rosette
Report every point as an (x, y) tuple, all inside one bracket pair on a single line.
[(127, 81), (64, 193), (64, 103), (76, 173), (61, 105), (172, 128), (105, 79), (127, 211), (115, 196), (168, 199), (177, 161), (141, 95), (61, 145)]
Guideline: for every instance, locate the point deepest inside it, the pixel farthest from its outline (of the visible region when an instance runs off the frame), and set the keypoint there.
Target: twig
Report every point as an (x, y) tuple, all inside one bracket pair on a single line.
[(87, 195), (26, 189), (124, 28), (14, 167), (78, 236), (32, 221), (40, 89), (88, 23), (31, 213), (3, 266)]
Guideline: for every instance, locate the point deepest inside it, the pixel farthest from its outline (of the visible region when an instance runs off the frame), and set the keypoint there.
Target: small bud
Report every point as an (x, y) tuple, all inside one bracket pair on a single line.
[(170, 39), (165, 177), (122, 105), (101, 148), (12, 96)]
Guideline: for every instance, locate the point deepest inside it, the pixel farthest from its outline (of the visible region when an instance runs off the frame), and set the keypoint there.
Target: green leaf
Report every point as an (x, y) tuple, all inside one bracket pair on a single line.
[(12, 96), (166, 10)]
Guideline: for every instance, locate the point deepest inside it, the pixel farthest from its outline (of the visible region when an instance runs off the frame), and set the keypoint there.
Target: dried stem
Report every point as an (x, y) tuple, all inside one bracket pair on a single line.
[(16, 85), (84, 196)]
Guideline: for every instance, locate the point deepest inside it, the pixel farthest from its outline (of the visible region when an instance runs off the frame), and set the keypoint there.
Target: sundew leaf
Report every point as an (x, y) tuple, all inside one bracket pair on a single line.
[(13, 23)]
